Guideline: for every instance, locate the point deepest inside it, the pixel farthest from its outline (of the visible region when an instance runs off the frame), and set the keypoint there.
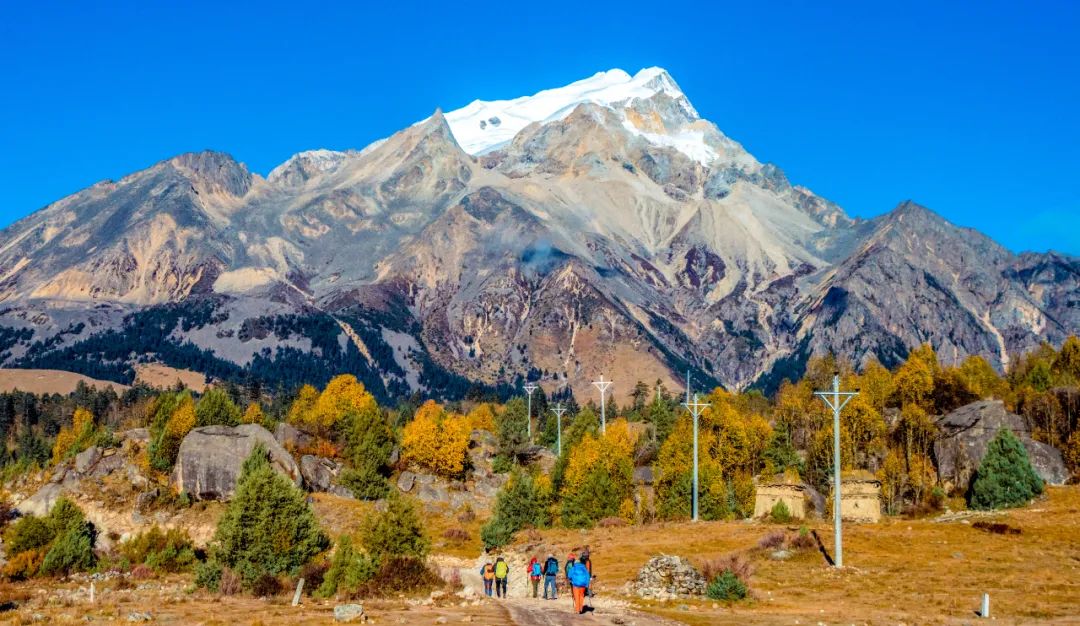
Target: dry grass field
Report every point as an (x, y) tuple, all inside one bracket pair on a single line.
[(897, 572), (49, 381), (164, 377)]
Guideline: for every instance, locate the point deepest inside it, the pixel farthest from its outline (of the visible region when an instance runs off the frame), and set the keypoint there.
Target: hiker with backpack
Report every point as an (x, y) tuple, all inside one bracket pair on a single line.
[(551, 570), (586, 560), (579, 582), (570, 560), (487, 572), (502, 571), (535, 573)]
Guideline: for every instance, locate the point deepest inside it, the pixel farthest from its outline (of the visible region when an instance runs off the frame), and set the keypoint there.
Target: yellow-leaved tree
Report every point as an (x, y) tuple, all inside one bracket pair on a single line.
[(482, 417), (435, 441), (303, 405), (731, 441), (598, 481), (253, 414), (343, 395), (71, 441)]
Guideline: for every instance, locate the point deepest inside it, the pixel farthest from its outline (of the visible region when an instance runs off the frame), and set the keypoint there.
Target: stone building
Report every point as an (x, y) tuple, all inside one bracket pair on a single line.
[(860, 496), (790, 492)]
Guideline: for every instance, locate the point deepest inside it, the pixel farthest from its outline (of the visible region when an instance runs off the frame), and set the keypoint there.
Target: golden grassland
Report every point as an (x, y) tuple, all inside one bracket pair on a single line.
[(168, 601), (896, 571)]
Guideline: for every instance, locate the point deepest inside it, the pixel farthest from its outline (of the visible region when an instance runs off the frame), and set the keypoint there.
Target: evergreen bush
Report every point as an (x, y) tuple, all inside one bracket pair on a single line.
[(727, 587), (397, 531), (780, 513), (348, 570), (519, 504), (1005, 477), (268, 526)]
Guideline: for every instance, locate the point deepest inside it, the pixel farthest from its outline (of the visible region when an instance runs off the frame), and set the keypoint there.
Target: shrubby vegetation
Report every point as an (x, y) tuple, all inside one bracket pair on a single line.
[(267, 528), (58, 544), (523, 502), (164, 551)]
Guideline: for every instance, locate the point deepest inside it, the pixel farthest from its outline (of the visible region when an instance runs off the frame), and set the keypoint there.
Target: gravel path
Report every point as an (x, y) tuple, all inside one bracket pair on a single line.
[(528, 611)]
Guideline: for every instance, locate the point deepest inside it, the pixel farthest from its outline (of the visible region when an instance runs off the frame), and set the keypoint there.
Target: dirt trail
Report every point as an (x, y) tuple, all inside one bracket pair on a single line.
[(528, 611)]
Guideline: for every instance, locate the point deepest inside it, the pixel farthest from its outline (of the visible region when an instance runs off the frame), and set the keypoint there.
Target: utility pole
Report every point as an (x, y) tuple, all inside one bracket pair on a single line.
[(832, 399), (558, 411), (602, 385), (695, 409), (529, 389)]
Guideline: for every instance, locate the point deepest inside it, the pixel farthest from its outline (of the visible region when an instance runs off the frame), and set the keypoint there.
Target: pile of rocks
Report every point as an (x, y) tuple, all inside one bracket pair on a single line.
[(667, 577)]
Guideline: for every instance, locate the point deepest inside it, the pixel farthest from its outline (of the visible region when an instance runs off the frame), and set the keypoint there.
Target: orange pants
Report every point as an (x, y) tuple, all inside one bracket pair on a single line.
[(579, 598)]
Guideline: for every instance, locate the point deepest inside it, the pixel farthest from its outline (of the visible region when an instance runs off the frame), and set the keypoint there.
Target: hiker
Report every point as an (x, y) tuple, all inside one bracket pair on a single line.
[(535, 573), (586, 560), (502, 570), (579, 581), (551, 569), (488, 573), (570, 560)]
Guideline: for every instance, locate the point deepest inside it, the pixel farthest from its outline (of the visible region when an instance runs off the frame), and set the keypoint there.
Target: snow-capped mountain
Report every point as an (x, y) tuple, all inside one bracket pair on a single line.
[(603, 226)]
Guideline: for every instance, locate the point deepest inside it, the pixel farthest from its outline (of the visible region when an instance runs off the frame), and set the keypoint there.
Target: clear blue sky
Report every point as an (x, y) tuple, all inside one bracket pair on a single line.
[(971, 110)]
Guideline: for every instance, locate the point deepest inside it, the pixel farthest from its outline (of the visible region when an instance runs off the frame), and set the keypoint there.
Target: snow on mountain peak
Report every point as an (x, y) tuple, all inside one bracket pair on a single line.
[(482, 126), (304, 165)]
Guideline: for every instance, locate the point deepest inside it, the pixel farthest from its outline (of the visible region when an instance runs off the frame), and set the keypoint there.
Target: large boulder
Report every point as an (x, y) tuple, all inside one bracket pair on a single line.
[(210, 458), (292, 438), (966, 435), (320, 474)]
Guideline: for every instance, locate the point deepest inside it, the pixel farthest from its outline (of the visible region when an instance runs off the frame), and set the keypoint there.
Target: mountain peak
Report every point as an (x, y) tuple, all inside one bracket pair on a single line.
[(217, 171), (305, 165), (482, 126)]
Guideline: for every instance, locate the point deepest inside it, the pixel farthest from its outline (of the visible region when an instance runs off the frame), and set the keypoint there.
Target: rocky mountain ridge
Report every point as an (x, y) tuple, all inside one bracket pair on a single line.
[(613, 231)]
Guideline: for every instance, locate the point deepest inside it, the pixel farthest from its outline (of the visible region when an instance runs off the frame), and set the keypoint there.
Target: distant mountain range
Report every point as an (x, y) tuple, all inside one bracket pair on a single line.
[(601, 227)]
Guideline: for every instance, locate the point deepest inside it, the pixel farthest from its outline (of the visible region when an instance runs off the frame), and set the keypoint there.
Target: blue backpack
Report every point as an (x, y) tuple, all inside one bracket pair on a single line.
[(552, 567), (536, 569)]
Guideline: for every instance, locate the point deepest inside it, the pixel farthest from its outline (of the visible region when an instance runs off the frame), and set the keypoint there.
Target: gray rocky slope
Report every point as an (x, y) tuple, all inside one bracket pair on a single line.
[(627, 237)]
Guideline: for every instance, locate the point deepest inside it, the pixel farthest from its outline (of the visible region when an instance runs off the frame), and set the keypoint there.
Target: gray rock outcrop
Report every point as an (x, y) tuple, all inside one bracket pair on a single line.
[(967, 432), (292, 438), (210, 458)]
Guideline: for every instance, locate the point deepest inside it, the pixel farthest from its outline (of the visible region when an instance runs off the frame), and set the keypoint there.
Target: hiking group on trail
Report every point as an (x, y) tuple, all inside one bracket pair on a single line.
[(577, 572)]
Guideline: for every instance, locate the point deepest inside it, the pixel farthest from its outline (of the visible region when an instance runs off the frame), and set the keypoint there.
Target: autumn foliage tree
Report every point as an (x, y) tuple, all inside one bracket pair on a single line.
[(598, 480), (73, 440), (436, 441)]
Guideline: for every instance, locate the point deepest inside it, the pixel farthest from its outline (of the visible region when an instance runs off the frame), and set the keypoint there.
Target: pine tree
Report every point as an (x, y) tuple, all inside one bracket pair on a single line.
[(368, 444), (512, 430), (268, 528), (1005, 478), (519, 504), (395, 532), (216, 407)]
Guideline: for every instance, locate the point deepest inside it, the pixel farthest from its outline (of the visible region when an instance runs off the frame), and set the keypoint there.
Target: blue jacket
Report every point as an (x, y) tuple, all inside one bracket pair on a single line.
[(579, 575)]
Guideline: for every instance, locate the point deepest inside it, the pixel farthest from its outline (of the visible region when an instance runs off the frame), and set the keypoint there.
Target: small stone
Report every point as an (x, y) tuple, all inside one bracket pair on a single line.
[(441, 619), (136, 616)]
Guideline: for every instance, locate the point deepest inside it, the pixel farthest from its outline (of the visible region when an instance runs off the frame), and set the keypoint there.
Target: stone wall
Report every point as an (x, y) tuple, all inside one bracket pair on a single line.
[(860, 498), (790, 494)]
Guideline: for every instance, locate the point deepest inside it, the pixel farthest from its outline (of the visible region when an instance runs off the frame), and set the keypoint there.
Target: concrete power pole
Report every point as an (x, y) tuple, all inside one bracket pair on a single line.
[(695, 409), (529, 389), (832, 399), (558, 411), (603, 385)]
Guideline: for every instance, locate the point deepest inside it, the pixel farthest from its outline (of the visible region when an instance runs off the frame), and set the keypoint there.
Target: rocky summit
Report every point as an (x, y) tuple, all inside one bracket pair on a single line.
[(601, 227)]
